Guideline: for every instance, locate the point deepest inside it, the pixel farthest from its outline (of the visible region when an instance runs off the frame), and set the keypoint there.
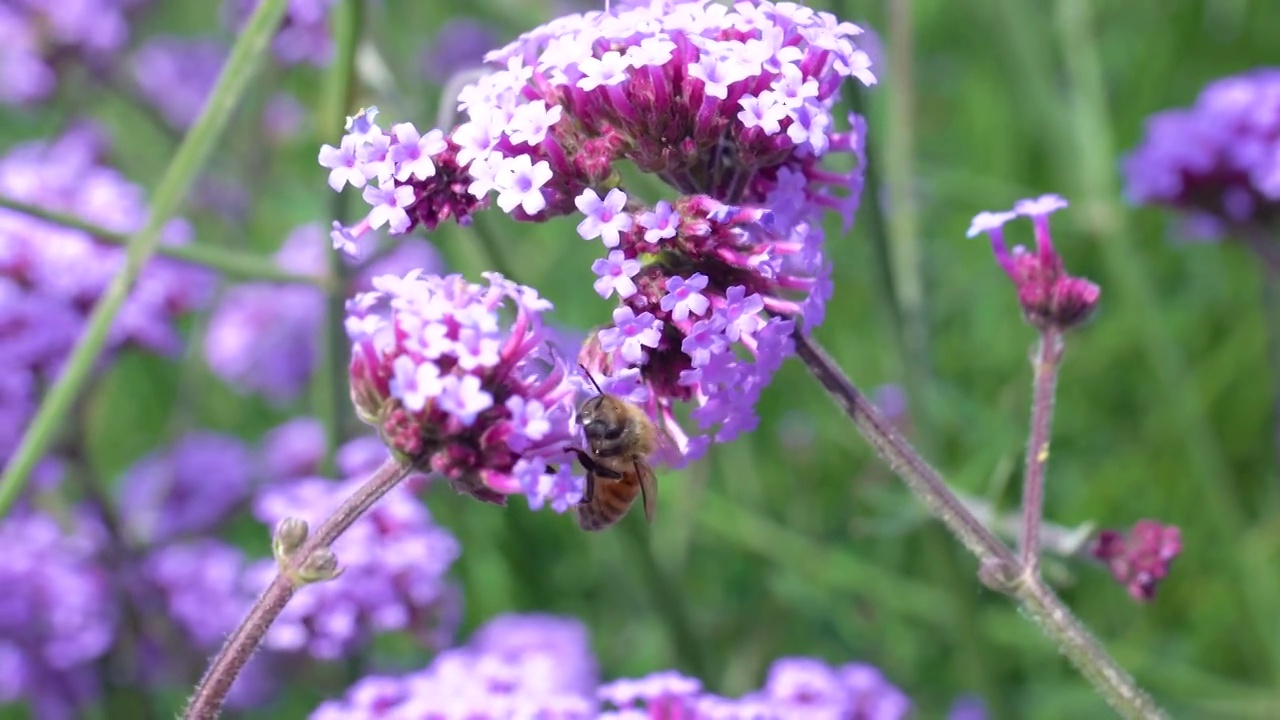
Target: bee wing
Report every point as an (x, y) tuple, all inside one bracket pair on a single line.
[(648, 489)]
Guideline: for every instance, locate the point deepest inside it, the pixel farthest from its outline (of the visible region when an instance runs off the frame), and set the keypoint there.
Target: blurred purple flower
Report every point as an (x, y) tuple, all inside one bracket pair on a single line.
[(51, 276), (1048, 295), (441, 374), (37, 38), (541, 666), (186, 489), (515, 666), (751, 90), (459, 45), (394, 562), (284, 118), (293, 450), (175, 74), (1139, 558), (968, 707), (304, 35), (57, 614), (204, 591), (261, 337), (1217, 161)]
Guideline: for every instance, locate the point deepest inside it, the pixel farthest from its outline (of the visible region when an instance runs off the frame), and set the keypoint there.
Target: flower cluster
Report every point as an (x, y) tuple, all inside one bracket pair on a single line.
[(304, 35), (51, 275), (1216, 160), (454, 388), (541, 666), (730, 107), (1050, 298), (58, 617), (40, 36), (262, 336), (1139, 559)]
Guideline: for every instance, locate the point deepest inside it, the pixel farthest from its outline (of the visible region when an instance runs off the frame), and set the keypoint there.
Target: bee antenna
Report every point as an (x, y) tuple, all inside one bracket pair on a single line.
[(592, 378)]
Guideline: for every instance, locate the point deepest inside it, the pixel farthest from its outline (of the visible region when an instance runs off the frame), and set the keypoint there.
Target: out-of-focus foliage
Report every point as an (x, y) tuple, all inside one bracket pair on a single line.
[(794, 540)]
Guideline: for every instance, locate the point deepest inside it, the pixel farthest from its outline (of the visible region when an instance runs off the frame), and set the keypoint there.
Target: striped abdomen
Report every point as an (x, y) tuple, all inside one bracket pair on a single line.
[(610, 501)]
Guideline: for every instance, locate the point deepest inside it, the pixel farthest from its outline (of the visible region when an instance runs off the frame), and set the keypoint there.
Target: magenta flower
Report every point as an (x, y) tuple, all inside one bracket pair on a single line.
[(1050, 298), (450, 385), (630, 334), (1140, 558)]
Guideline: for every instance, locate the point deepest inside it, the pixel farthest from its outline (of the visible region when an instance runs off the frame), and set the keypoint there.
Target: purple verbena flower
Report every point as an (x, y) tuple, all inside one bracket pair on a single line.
[(186, 489), (1139, 558), (1049, 297), (731, 107), (59, 615), (435, 366), (1216, 161)]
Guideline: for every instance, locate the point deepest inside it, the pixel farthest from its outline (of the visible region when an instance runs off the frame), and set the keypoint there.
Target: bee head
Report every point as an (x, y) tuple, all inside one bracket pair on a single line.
[(602, 418)]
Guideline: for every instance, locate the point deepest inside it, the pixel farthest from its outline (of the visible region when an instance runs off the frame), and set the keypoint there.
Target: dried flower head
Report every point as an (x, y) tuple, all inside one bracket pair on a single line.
[(1050, 298), (1140, 558)]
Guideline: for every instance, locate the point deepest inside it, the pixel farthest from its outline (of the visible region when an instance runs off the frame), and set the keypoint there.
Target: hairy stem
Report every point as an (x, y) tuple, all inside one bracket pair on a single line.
[(1045, 363), (187, 162), (212, 690), (1000, 568)]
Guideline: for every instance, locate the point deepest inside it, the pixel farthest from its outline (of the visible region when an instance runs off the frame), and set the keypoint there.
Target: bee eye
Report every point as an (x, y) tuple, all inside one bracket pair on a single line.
[(613, 433)]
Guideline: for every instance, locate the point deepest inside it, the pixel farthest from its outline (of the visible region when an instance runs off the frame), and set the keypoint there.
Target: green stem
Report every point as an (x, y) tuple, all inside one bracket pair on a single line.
[(329, 384), (238, 265), (172, 188), (1000, 568), (906, 262)]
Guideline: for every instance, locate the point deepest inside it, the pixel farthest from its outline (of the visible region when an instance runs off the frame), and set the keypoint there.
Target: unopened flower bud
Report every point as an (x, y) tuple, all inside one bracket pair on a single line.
[(319, 566), (290, 534), (1050, 298)]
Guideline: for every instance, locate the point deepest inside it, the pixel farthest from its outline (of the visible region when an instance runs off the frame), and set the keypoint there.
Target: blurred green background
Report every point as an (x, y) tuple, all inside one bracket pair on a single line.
[(794, 539)]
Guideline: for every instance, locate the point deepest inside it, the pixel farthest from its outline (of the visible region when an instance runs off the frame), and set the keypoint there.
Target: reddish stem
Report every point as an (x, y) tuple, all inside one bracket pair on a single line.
[(1045, 363)]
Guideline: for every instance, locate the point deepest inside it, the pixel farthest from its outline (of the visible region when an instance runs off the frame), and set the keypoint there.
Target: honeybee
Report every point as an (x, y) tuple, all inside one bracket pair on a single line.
[(620, 439)]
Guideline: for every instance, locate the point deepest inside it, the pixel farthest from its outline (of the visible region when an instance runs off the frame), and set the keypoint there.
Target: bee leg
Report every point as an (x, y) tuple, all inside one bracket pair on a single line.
[(589, 490), (592, 467)]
